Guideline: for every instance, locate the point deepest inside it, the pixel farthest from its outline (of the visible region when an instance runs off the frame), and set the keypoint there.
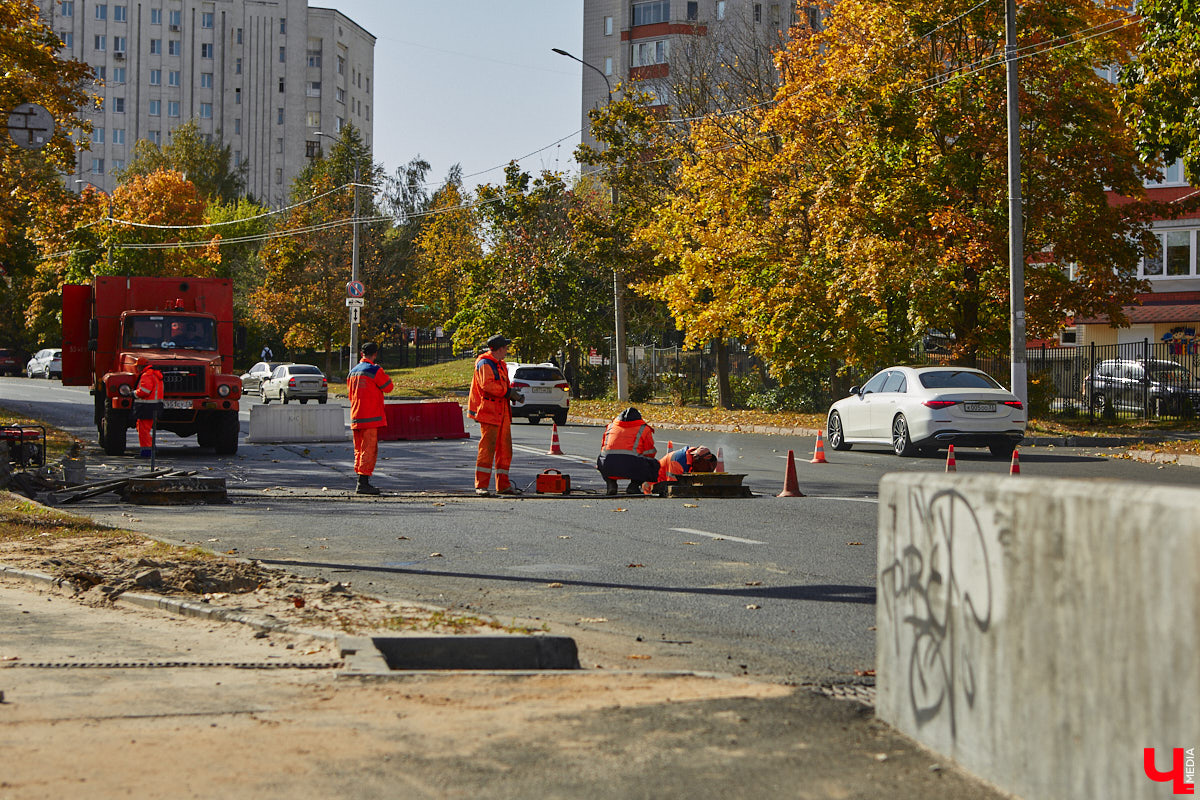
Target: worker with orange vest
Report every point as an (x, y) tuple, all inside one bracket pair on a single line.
[(627, 452), (147, 402), (366, 384), (487, 404), (686, 460)]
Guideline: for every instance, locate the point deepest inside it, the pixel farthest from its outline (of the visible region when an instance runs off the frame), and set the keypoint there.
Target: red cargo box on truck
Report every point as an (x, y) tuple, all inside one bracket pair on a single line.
[(183, 326)]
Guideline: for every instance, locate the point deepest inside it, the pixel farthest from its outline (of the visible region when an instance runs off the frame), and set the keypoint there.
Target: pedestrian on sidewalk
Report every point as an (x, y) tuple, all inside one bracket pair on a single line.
[(627, 451), (147, 403), (266, 353), (488, 405), (367, 383)]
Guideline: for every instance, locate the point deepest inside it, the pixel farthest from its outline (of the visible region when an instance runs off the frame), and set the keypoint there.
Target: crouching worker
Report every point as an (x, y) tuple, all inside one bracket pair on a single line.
[(147, 403), (686, 460), (628, 452)]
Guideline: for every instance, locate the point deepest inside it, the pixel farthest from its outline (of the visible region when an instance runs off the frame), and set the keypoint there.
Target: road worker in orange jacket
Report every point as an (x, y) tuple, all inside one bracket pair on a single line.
[(367, 383), (147, 402), (488, 405), (686, 460), (627, 452)]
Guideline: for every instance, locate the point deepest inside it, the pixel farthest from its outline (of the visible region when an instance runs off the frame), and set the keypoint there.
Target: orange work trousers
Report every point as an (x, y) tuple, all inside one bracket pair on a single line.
[(145, 437), (366, 450), (495, 447)]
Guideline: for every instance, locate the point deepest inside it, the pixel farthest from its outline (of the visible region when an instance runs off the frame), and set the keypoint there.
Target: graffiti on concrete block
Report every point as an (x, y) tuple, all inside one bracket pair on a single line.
[(938, 590)]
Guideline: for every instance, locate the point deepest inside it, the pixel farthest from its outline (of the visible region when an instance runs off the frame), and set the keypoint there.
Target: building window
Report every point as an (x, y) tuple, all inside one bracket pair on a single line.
[(156, 77), (68, 39), (172, 108), (608, 65), (608, 26), (101, 73), (206, 80), (67, 8), (238, 35), (119, 13), (97, 166), (282, 25), (339, 94), (758, 12), (118, 75), (206, 50), (156, 108), (279, 117), (237, 96), (173, 77), (237, 125), (156, 16), (313, 119), (341, 65), (237, 157), (653, 52), (119, 105), (101, 11), (368, 84), (368, 112), (118, 136), (118, 164), (174, 47), (119, 44), (97, 135), (176, 18), (314, 52), (156, 47), (775, 18), (279, 145), (100, 42), (206, 19), (237, 67), (1173, 255), (154, 137), (338, 124), (651, 13), (693, 11), (282, 55), (312, 149), (278, 175), (313, 89), (281, 85), (206, 111)]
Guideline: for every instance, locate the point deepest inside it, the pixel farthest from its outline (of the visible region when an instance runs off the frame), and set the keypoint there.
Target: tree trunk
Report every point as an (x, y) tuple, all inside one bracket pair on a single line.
[(328, 356), (724, 393)]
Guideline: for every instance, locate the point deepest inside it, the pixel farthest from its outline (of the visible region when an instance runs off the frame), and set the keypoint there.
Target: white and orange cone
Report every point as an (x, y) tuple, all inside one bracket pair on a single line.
[(819, 450), (720, 467), (951, 464), (555, 449), (1015, 469)]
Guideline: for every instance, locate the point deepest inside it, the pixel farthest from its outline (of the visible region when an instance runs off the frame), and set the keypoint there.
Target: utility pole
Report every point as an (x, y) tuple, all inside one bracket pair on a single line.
[(1016, 213), (354, 270)]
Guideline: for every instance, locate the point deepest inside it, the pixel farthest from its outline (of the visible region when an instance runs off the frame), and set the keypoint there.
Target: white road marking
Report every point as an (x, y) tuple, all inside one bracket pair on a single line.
[(846, 499), (694, 532), (539, 452)]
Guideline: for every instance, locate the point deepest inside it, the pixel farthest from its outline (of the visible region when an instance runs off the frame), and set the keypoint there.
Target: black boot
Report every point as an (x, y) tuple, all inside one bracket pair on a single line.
[(364, 485), (610, 486), (633, 488)]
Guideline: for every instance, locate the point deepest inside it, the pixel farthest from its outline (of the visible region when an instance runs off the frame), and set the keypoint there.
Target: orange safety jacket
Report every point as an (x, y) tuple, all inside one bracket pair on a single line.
[(366, 385), (151, 386), (634, 438), (488, 401)]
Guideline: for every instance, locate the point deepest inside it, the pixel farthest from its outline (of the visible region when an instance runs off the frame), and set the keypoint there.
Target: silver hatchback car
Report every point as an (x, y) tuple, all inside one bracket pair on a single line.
[(301, 382), (45, 363)]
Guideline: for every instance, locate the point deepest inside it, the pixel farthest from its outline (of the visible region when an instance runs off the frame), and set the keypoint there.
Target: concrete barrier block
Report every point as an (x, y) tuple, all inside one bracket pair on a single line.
[(1041, 633), (297, 423)]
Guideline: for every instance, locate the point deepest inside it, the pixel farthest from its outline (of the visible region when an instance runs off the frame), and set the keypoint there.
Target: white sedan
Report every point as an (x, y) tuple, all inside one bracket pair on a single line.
[(921, 409)]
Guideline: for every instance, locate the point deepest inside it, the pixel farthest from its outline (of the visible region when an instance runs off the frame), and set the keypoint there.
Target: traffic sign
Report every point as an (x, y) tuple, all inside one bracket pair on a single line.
[(30, 126), (355, 289), (354, 302), (355, 314)]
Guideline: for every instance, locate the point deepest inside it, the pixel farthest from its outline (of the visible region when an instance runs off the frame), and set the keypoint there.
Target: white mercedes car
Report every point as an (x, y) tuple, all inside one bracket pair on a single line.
[(918, 410)]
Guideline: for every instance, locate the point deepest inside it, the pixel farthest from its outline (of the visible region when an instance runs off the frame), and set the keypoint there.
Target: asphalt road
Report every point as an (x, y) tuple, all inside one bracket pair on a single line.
[(779, 587)]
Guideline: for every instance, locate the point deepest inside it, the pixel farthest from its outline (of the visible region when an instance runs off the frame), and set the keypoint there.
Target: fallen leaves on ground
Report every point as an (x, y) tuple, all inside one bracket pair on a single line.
[(754, 583), (753, 606), (593, 619), (618, 510), (554, 585), (691, 505), (638, 657), (631, 566), (854, 544), (659, 413)]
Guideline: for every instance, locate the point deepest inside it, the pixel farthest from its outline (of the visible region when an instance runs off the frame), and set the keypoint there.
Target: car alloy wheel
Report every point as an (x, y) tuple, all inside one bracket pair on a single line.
[(837, 436), (901, 443)]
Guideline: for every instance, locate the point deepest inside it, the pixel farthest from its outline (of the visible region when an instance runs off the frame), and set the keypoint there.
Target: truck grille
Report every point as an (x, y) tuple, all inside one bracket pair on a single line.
[(179, 380)]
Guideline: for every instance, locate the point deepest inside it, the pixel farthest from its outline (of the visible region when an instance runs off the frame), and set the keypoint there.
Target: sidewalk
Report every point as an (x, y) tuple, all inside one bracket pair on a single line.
[(196, 729)]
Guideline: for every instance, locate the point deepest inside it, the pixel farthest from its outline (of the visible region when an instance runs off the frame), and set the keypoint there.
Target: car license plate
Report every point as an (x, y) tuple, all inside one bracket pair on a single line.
[(979, 407), (181, 404), (541, 390)]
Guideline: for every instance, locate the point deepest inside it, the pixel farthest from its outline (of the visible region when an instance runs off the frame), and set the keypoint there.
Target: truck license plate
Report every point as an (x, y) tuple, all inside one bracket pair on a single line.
[(979, 407), (180, 404)]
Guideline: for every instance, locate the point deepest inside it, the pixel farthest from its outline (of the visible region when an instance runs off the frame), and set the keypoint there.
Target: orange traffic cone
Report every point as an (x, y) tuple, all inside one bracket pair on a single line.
[(951, 464), (1015, 469), (791, 486), (555, 450), (720, 467), (819, 451), (670, 446)]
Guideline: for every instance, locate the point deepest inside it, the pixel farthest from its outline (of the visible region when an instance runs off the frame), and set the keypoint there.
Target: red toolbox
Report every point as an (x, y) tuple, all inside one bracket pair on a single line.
[(551, 481)]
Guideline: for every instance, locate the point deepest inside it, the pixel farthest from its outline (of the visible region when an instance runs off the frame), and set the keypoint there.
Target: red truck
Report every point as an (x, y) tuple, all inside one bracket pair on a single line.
[(183, 326)]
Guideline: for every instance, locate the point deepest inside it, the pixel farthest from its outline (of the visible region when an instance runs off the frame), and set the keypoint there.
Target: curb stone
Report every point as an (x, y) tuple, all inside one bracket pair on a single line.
[(1182, 459)]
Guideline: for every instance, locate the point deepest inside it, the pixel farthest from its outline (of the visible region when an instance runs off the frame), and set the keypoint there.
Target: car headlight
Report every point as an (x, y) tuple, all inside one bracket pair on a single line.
[(223, 390), (125, 390)]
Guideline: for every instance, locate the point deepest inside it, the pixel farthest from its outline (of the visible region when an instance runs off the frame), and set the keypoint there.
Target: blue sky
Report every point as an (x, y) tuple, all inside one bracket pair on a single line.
[(472, 81)]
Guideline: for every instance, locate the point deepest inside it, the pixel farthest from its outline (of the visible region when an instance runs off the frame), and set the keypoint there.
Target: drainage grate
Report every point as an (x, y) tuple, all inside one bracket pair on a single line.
[(172, 664), (858, 692)]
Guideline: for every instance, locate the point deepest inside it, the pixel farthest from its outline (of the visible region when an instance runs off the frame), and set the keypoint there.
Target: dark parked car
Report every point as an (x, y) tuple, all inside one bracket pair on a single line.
[(9, 362), (1150, 386)]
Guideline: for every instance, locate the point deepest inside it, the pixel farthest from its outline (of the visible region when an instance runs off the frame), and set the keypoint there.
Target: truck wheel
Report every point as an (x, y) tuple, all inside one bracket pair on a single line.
[(112, 433), (205, 435), (226, 438)]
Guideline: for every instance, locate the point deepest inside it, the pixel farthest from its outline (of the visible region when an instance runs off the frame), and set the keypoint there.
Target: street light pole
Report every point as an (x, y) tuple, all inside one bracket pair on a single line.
[(1016, 219), (353, 256), (618, 300)]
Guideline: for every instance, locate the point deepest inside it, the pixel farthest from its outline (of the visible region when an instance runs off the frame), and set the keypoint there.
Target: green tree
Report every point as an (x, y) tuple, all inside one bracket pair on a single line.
[(207, 165), (405, 200), (447, 248)]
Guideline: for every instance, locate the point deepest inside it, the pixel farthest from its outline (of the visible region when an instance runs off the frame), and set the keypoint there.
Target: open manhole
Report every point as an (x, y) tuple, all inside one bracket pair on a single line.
[(381, 654)]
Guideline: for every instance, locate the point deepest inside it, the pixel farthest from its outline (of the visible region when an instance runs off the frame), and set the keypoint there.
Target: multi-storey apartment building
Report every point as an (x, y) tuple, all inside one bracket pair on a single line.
[(651, 41), (263, 76)]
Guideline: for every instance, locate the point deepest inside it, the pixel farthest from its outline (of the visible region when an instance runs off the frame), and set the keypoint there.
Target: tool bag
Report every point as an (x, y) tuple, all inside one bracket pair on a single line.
[(551, 481)]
